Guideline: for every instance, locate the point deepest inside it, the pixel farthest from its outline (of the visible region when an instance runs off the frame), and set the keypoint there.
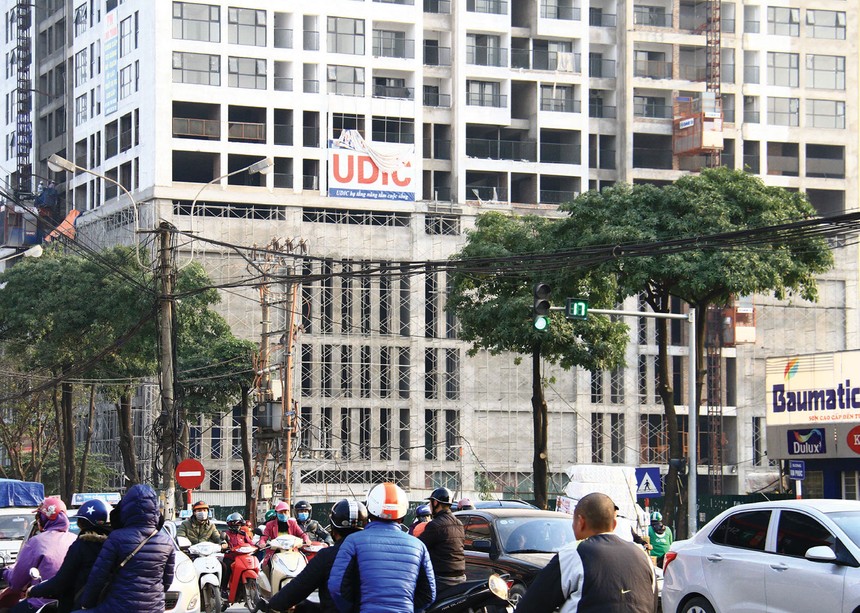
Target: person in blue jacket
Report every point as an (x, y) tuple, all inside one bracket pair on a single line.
[(139, 584), (396, 575)]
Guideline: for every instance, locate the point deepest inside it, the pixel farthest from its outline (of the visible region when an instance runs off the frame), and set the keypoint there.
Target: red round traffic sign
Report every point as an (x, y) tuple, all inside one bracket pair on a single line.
[(189, 473), (853, 439)]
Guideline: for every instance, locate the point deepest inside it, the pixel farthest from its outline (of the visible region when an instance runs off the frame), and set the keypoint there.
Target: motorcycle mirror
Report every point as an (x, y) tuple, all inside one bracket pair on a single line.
[(35, 575), (498, 586)]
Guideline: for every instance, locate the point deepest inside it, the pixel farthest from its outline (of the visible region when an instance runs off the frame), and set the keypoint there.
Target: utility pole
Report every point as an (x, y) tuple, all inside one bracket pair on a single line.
[(287, 384), (166, 277)]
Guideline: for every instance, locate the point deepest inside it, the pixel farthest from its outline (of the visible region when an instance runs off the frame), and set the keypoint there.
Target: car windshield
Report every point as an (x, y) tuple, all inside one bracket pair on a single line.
[(849, 521), (15, 526), (534, 534)]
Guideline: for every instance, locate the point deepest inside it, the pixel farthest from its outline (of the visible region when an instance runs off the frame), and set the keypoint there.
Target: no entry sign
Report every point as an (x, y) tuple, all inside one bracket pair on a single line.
[(189, 474)]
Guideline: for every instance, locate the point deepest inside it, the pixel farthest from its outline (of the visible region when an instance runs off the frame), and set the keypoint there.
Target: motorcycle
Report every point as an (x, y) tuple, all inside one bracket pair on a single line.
[(243, 578), (285, 564), (474, 596), (207, 562)]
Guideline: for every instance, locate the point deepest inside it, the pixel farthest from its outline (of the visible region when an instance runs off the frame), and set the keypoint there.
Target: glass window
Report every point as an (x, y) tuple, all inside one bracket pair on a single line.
[(345, 35), (825, 24), (80, 109), (825, 114), (477, 528), (484, 93), (783, 69), (126, 81), (825, 71), (783, 21), (783, 111), (346, 80), (246, 72), (80, 20), (126, 40), (798, 532), (196, 68), (393, 130), (81, 64), (196, 22), (745, 529), (246, 27)]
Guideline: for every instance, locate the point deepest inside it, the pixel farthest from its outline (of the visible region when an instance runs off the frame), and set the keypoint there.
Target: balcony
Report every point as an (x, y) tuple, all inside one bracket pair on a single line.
[(491, 149), (600, 68), (388, 91), (437, 148), (240, 131), (825, 168), (436, 56), (652, 111), (652, 69), (403, 48), (560, 106), (283, 84), (482, 55), (690, 72), (563, 13), (642, 16), (310, 182), (499, 101), (310, 136), (283, 134), (494, 7), (603, 159), (560, 153), (553, 196), (785, 165), (438, 7), (554, 60), (436, 99), (283, 38), (282, 180), (648, 157), (602, 20), (208, 129), (602, 111)]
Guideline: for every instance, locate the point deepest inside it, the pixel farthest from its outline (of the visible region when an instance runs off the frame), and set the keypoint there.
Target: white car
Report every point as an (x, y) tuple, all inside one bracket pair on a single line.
[(779, 556)]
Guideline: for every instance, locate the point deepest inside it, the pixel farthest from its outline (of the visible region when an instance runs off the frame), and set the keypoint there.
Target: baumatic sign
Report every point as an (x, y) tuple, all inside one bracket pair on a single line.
[(370, 171), (813, 389)]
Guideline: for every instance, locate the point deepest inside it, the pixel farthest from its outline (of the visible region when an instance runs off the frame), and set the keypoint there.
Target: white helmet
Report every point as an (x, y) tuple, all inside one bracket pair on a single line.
[(387, 501)]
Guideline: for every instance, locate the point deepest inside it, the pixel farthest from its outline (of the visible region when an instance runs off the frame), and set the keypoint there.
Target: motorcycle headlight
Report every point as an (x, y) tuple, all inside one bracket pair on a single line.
[(184, 572), (498, 587)]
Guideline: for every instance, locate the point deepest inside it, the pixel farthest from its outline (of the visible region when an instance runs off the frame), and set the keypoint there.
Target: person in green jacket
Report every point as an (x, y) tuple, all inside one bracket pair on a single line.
[(660, 537), (198, 528)]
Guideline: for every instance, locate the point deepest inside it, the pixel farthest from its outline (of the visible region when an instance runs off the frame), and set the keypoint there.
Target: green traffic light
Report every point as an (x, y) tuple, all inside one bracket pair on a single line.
[(541, 322)]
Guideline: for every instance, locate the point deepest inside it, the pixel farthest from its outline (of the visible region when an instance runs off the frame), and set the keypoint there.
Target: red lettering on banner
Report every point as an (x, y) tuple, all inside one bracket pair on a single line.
[(363, 162), (336, 170), (400, 182)]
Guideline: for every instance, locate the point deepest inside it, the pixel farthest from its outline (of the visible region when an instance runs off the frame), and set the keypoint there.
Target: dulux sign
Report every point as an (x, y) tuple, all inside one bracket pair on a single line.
[(807, 442), (354, 174)]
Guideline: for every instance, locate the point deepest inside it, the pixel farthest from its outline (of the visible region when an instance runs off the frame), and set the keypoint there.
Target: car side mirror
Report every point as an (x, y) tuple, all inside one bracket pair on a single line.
[(486, 546), (821, 553)]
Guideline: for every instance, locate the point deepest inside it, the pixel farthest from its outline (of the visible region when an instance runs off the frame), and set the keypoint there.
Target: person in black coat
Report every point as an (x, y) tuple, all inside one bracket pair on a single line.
[(445, 540), (347, 516), (67, 585)]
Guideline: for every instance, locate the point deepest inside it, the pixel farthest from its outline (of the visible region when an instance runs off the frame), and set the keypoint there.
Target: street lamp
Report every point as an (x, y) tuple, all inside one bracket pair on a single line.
[(60, 164), (263, 167), (33, 252)]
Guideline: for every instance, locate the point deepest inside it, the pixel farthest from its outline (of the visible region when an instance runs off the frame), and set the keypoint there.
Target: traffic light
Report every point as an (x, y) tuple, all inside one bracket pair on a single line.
[(541, 307), (576, 308)]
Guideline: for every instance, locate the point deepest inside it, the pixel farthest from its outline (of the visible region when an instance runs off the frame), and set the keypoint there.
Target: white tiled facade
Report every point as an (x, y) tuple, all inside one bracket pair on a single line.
[(513, 105)]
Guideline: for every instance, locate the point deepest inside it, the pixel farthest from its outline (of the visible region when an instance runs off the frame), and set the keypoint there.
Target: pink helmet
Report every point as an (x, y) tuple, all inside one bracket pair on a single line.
[(51, 508), (282, 507)]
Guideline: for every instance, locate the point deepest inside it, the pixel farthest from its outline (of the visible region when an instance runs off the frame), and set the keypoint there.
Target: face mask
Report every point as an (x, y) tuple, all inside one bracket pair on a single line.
[(303, 516), (201, 515), (283, 517)]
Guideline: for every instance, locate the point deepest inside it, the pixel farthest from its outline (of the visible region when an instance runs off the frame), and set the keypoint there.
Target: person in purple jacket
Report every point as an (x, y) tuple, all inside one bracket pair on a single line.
[(44, 551)]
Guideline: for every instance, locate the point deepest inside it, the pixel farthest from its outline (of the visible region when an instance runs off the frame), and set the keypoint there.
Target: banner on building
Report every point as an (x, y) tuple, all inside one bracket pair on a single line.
[(111, 66), (813, 389), (371, 171)]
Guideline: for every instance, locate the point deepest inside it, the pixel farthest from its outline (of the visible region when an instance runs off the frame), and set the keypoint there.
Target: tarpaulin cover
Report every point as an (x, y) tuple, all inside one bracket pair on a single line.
[(21, 493)]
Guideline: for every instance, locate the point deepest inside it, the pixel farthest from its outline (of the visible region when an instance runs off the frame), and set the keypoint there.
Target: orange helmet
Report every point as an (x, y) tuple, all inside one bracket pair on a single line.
[(387, 501)]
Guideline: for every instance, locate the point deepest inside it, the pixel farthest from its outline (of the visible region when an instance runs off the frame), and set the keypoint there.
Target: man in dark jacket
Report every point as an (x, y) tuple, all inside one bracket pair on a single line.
[(66, 586), (144, 577), (444, 538), (347, 516), (311, 527)]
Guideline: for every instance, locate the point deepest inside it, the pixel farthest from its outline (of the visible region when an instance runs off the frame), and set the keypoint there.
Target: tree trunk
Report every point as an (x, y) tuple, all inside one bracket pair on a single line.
[(539, 417), (126, 439), (245, 435), (67, 482), (61, 441), (88, 439)]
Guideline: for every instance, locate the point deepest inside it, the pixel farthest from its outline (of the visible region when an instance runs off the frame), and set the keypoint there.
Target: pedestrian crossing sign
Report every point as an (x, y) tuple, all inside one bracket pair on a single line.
[(648, 483)]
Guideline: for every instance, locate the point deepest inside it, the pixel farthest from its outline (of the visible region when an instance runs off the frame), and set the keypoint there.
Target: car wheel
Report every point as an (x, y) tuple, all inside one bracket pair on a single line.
[(697, 605)]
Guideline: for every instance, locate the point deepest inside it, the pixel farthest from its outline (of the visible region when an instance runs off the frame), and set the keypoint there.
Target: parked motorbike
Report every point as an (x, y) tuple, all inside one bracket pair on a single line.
[(286, 563), (474, 596), (243, 578), (206, 557)]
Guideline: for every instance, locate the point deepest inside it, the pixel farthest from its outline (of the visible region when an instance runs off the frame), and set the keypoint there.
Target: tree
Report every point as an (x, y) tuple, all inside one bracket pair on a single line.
[(494, 311), (716, 201)]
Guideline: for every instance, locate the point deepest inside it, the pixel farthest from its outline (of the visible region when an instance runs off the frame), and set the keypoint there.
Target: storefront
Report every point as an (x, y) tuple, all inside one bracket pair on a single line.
[(813, 414)]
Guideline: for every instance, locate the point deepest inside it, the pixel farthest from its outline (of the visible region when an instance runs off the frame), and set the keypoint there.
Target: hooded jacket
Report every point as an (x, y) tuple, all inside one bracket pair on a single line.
[(73, 574), (147, 575), (44, 551)]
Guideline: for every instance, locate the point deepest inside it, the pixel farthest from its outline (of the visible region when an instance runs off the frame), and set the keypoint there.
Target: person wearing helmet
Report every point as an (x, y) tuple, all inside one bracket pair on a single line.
[(346, 517), (396, 575), (282, 523), (444, 538), (465, 504), (311, 527), (235, 536), (198, 528), (660, 537), (422, 516), (70, 579), (44, 551)]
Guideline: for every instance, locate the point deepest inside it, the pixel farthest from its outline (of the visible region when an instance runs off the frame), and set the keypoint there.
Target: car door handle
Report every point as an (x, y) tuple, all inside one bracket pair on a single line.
[(779, 566), (715, 557)]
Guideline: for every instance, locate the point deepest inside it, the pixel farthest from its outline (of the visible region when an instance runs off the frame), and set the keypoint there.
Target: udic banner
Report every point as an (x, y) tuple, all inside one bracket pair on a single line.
[(355, 174)]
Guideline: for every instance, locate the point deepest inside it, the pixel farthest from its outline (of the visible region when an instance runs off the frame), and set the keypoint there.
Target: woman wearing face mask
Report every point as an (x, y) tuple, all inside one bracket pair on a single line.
[(282, 523), (309, 526), (198, 528)]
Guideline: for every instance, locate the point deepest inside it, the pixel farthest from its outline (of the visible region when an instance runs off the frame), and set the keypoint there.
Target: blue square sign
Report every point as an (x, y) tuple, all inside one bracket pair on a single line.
[(797, 470), (648, 482)]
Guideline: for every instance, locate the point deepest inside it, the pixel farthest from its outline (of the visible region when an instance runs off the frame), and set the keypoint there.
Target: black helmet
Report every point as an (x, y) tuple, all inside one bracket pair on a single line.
[(441, 494), (348, 515), (303, 505), (235, 521)]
